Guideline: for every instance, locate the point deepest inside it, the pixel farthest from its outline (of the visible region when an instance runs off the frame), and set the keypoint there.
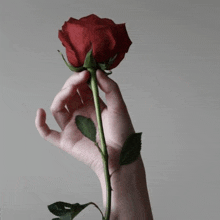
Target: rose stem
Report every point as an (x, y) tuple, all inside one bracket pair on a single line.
[(95, 92)]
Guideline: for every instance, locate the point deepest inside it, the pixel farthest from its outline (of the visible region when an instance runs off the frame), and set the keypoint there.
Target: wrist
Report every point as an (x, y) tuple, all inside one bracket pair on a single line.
[(130, 199)]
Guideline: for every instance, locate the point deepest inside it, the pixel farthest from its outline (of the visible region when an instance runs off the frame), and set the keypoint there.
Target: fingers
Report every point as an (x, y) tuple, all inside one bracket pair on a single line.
[(77, 78), (43, 129), (68, 96), (112, 92), (73, 103), (58, 108), (85, 93)]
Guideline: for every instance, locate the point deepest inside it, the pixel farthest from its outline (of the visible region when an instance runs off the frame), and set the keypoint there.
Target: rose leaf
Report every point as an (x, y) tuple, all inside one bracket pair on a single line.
[(66, 211), (86, 126), (131, 149), (59, 208)]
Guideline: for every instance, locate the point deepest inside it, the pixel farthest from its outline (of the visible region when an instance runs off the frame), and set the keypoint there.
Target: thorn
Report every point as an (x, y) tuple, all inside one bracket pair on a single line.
[(113, 172)]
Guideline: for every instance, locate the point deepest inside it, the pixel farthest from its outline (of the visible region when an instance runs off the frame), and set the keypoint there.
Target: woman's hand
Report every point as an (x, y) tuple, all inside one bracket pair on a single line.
[(76, 98)]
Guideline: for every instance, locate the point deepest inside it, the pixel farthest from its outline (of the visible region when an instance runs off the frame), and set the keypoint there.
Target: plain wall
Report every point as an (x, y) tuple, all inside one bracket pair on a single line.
[(169, 80)]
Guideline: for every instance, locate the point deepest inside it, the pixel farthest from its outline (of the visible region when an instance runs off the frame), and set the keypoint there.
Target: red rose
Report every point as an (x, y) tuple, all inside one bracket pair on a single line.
[(101, 34)]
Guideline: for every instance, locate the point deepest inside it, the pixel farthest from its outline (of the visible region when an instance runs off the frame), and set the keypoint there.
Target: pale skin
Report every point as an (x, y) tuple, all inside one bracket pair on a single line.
[(130, 200)]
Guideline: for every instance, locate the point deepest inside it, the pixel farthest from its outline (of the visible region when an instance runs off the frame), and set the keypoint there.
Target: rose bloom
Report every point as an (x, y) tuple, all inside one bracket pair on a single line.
[(101, 34)]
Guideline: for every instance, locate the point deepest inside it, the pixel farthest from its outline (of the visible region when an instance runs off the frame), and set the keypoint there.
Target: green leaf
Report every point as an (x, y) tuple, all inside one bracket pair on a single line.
[(131, 149), (89, 61), (65, 210), (72, 68), (69, 216), (59, 208), (86, 126)]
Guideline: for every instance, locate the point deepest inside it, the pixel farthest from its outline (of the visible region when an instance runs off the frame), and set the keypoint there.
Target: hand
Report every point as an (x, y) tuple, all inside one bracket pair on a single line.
[(76, 98)]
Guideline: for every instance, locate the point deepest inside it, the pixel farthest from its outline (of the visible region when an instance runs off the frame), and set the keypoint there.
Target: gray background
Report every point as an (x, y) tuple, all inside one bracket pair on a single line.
[(169, 80)]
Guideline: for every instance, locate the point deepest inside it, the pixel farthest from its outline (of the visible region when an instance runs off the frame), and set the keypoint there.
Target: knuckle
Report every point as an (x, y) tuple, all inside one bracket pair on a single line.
[(113, 86), (121, 108), (62, 144), (36, 122), (42, 134), (66, 145), (52, 109)]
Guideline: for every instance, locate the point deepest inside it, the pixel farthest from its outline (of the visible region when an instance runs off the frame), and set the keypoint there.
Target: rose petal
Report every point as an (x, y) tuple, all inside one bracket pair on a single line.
[(104, 36), (107, 21), (64, 39), (80, 41), (94, 19), (90, 19), (123, 39), (73, 58), (64, 26), (103, 42), (72, 20)]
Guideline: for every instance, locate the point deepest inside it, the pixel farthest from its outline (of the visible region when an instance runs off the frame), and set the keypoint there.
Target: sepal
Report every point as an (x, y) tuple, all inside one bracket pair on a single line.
[(72, 68), (107, 65), (90, 61)]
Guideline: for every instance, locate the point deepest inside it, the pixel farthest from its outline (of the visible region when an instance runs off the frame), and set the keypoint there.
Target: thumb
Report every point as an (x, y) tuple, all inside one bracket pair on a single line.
[(112, 92)]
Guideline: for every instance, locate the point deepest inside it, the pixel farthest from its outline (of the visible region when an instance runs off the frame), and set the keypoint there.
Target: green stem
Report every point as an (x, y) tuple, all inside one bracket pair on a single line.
[(95, 92), (103, 157)]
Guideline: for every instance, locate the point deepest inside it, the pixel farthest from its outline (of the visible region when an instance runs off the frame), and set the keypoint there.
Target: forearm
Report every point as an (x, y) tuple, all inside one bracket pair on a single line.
[(130, 199)]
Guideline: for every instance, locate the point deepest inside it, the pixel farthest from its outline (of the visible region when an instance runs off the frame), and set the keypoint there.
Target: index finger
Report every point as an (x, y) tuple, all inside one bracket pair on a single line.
[(112, 92), (76, 79)]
